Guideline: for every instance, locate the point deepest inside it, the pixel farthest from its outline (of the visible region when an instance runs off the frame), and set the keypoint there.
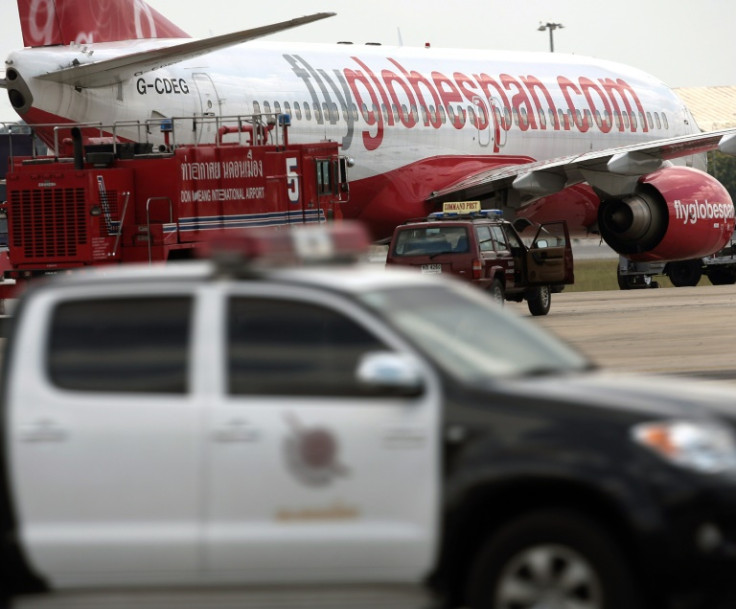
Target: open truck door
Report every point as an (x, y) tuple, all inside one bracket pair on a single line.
[(549, 258)]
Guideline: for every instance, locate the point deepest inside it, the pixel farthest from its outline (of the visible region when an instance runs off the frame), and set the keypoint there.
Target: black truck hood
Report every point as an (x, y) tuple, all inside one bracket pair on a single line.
[(629, 395)]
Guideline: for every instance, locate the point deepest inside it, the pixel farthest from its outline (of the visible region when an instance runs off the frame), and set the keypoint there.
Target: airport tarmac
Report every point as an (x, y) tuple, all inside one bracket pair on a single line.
[(690, 331)]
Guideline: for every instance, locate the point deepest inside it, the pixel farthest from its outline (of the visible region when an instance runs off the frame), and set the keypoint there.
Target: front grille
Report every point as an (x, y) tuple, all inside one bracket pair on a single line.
[(48, 222)]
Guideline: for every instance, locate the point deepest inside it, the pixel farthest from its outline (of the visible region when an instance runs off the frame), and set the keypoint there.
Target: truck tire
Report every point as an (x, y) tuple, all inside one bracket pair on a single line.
[(551, 558), (496, 291), (539, 300), (721, 276), (686, 273)]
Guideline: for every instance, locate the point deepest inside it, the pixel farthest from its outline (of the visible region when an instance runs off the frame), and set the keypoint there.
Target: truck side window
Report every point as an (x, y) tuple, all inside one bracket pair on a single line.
[(500, 237), (484, 238), (126, 345), (284, 347)]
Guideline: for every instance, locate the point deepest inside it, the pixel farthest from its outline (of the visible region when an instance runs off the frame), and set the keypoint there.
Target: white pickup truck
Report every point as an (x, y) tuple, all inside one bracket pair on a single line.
[(342, 436)]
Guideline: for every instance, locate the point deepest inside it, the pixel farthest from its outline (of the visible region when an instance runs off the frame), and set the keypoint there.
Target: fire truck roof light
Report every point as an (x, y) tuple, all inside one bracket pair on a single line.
[(240, 252), (284, 120)]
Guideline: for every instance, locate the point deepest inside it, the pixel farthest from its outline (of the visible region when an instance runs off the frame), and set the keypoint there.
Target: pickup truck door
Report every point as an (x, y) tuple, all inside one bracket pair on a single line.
[(549, 258), (311, 480), (105, 438)]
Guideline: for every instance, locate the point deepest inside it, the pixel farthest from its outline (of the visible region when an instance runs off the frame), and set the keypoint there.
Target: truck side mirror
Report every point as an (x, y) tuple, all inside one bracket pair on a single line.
[(390, 373)]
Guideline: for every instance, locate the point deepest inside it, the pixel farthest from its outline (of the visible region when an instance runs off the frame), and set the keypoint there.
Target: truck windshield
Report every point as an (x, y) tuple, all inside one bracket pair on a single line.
[(431, 240), (471, 337)]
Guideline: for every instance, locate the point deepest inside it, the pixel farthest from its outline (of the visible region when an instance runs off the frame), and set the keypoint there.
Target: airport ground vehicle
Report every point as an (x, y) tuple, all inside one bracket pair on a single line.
[(479, 246), (719, 268), (97, 200), (314, 433)]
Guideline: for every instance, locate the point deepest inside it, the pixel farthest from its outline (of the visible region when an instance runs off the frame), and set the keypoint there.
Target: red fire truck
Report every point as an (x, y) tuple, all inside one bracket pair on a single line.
[(100, 200)]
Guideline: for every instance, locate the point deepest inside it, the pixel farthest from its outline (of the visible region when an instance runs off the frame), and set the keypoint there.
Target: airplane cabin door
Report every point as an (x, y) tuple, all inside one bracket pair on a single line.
[(209, 108)]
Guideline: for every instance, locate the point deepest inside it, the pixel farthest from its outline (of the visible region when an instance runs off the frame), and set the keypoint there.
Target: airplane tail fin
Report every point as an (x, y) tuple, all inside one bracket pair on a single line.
[(59, 22)]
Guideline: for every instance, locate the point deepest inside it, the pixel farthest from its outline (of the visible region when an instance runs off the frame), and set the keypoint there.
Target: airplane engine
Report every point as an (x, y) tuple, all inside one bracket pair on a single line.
[(676, 213)]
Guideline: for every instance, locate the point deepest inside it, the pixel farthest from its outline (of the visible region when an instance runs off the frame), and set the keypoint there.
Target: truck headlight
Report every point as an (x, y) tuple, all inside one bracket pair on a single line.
[(701, 446)]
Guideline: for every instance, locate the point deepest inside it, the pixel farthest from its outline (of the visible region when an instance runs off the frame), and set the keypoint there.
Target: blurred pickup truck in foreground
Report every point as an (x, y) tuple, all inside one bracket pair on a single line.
[(317, 433)]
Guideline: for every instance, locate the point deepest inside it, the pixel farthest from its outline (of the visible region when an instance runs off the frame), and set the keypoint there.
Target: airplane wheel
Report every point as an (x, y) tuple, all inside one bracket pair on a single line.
[(539, 300), (686, 273)]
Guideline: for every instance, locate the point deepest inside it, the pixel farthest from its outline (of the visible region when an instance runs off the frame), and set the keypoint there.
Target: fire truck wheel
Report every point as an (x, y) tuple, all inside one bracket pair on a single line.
[(496, 291), (539, 300)]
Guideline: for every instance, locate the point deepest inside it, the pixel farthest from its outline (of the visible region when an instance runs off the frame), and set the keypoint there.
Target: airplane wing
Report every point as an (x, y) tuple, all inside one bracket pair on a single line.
[(613, 172), (111, 71)]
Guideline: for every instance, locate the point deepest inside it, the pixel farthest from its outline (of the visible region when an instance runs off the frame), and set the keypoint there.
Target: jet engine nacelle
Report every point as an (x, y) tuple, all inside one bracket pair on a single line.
[(676, 213)]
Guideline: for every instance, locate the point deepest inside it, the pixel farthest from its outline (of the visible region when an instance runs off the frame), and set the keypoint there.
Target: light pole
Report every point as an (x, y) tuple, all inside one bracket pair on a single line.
[(551, 27)]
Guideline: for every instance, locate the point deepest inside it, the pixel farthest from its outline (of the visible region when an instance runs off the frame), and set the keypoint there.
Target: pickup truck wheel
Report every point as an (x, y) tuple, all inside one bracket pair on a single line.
[(496, 291), (539, 300), (554, 559)]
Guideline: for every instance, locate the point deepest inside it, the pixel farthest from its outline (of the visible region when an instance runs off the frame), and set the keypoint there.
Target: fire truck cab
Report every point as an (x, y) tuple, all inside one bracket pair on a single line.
[(99, 200)]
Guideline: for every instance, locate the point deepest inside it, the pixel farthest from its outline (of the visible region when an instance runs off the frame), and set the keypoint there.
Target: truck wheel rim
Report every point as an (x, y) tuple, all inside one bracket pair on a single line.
[(548, 577)]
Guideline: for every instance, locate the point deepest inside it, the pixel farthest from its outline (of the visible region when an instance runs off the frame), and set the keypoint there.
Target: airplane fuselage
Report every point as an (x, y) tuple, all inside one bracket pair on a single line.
[(414, 120)]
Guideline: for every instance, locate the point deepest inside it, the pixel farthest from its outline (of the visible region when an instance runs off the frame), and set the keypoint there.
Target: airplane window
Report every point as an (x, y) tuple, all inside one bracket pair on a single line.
[(317, 112), (471, 115), (307, 111), (326, 112), (432, 112), (579, 119), (633, 121), (443, 116), (298, 111), (415, 113), (598, 119), (551, 116), (542, 118), (507, 117), (354, 111), (626, 119), (664, 121), (523, 118), (345, 111), (656, 119), (588, 118), (405, 112), (266, 107), (617, 116), (650, 120), (642, 120), (256, 107), (607, 119), (570, 121), (287, 108)]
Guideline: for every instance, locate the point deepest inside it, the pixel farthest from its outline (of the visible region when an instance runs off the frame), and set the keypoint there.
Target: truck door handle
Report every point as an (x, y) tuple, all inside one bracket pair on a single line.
[(236, 431), (43, 431)]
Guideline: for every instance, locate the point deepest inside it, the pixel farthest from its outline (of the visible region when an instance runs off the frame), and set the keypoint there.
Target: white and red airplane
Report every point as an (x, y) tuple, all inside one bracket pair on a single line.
[(546, 136)]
